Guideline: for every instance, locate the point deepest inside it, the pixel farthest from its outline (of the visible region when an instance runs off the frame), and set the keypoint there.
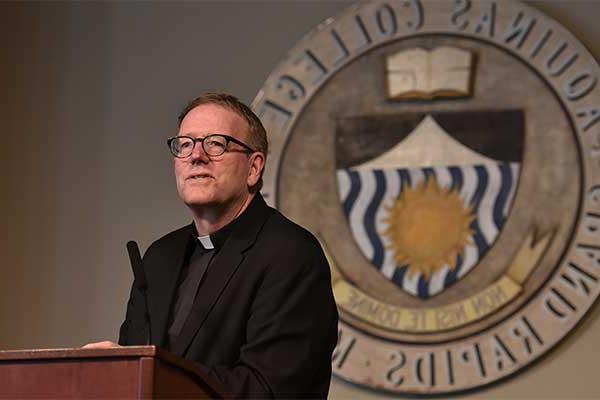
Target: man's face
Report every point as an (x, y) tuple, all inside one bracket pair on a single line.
[(222, 181)]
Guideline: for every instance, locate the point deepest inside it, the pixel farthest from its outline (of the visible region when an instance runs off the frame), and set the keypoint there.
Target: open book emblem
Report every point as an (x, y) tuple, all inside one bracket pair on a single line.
[(425, 74)]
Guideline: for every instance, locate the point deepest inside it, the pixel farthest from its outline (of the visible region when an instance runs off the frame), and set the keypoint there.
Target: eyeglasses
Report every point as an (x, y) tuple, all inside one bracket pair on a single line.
[(213, 145)]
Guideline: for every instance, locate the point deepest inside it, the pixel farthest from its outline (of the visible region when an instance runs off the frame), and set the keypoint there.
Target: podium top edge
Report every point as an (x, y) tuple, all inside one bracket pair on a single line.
[(65, 353), (43, 355)]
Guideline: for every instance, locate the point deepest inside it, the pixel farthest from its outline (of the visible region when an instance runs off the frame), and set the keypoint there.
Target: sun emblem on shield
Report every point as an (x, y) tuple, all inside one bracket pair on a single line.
[(427, 228)]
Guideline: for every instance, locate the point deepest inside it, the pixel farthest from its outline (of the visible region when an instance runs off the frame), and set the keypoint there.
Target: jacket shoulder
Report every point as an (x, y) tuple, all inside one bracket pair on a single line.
[(285, 234)]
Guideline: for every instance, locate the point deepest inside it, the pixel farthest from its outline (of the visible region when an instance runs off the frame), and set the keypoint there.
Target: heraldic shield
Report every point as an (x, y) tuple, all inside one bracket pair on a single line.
[(426, 194)]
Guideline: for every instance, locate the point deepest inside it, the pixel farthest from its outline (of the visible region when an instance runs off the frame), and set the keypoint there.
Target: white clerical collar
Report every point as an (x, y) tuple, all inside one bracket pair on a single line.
[(206, 242)]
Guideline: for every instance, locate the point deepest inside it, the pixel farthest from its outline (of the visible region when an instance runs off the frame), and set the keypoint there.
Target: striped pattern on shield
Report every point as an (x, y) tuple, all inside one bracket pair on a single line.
[(426, 205)]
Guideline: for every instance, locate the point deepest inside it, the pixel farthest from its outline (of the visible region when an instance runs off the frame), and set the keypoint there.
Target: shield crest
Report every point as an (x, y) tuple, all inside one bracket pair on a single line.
[(426, 195)]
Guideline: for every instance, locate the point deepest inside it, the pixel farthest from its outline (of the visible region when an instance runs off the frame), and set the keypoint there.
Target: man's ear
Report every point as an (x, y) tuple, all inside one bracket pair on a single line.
[(257, 164)]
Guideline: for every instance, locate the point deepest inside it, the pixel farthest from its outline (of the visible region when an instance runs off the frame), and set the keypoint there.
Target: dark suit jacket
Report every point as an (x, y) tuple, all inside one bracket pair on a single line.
[(264, 322)]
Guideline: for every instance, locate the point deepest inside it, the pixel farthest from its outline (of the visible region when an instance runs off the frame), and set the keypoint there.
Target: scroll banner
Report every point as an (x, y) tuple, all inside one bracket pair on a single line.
[(426, 320)]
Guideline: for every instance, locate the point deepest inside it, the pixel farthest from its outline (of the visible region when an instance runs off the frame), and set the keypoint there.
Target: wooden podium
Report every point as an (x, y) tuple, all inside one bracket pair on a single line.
[(135, 372)]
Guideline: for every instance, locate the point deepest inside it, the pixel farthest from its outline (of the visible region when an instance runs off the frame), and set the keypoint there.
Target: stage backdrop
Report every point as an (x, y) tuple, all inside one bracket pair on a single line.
[(89, 94)]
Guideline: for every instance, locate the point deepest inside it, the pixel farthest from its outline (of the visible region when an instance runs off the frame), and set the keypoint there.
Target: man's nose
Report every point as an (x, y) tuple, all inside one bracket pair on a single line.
[(198, 154)]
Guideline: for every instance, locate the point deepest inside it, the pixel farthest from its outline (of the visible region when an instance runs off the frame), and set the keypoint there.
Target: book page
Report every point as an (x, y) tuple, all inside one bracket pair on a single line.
[(451, 68), (407, 72)]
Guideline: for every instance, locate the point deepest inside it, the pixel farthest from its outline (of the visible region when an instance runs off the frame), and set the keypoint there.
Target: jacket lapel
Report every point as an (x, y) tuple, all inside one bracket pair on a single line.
[(165, 278), (222, 268)]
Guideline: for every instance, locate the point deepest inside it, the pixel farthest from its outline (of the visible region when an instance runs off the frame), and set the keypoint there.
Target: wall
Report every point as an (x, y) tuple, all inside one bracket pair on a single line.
[(89, 93)]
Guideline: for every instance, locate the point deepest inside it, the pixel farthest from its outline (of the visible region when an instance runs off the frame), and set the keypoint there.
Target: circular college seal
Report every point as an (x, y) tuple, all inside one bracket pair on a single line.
[(447, 156)]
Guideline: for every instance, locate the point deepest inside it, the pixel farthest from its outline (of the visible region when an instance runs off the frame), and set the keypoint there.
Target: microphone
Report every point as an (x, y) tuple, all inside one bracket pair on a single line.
[(136, 264), (140, 278)]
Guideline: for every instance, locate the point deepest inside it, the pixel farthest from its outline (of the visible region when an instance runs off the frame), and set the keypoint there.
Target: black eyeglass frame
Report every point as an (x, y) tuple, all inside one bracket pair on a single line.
[(201, 140)]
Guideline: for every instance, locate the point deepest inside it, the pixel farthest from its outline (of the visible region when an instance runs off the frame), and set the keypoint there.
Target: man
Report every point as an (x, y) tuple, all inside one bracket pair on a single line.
[(242, 291)]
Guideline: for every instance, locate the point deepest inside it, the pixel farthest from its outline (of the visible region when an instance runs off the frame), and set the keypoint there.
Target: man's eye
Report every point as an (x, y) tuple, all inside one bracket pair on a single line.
[(185, 145), (215, 144)]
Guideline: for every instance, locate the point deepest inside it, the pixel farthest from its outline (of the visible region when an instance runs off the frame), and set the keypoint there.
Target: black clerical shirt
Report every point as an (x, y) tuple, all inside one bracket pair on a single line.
[(192, 274)]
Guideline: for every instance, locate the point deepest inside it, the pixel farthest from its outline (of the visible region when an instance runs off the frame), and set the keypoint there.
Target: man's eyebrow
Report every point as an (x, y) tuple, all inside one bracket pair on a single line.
[(195, 134)]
